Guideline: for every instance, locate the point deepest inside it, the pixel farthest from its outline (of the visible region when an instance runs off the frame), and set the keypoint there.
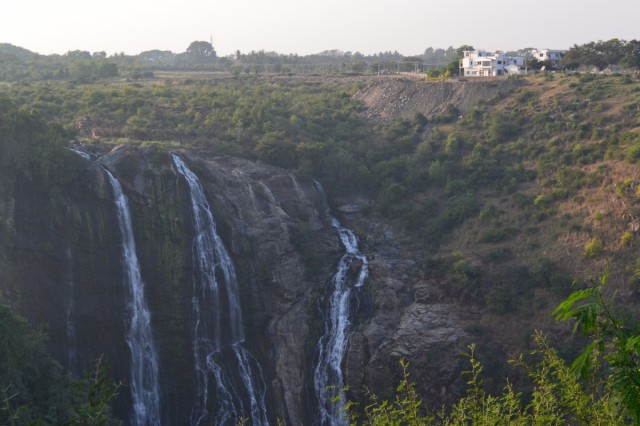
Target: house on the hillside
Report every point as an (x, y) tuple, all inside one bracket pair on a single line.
[(480, 63), (551, 56)]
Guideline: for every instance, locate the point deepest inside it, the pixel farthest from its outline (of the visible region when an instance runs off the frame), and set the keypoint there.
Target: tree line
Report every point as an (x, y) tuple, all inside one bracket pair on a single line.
[(19, 64), (601, 54)]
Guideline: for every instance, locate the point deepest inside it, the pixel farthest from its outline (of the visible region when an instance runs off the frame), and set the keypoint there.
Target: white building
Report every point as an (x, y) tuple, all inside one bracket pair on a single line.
[(554, 57), (480, 63)]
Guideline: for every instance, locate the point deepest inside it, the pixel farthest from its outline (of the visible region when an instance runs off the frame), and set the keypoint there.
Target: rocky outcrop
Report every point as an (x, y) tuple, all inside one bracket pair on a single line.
[(61, 265), (406, 321), (391, 98)]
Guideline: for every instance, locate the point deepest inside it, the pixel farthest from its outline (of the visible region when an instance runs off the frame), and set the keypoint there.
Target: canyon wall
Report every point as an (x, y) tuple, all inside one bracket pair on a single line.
[(61, 266)]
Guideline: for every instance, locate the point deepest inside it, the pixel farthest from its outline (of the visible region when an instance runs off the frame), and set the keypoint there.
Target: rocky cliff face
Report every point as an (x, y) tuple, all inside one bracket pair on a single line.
[(406, 320), (60, 264), (386, 99)]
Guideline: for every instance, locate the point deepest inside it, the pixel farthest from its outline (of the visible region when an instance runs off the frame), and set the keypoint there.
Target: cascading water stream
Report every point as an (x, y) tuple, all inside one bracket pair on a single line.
[(327, 377), (145, 388), (218, 333)]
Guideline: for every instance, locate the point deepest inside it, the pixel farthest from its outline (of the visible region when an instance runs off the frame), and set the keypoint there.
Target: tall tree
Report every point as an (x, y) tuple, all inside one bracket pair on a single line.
[(201, 52)]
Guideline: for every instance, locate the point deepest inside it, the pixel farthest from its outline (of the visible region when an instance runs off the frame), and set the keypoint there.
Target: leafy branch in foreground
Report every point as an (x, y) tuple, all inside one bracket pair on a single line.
[(403, 410), (614, 345), (93, 395)]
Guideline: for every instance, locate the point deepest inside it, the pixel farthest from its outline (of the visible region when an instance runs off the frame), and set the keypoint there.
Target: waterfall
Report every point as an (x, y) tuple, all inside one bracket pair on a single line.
[(332, 346), (145, 388), (81, 153), (218, 333)]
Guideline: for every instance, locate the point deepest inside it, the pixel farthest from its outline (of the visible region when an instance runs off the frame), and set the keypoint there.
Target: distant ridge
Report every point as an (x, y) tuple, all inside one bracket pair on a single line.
[(18, 52)]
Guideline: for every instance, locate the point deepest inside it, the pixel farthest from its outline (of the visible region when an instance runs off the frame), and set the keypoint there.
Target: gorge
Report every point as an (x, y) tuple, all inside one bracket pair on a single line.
[(455, 212), (206, 320)]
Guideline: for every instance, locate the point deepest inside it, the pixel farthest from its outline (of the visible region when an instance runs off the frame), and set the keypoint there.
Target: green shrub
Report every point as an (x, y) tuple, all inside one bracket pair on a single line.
[(633, 153), (593, 248), (487, 213), (466, 272), (498, 301), (495, 235), (524, 95), (500, 255), (627, 239), (437, 172)]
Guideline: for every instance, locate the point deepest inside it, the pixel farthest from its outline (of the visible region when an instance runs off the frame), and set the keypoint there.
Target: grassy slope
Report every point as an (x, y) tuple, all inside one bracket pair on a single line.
[(595, 207), (580, 135)]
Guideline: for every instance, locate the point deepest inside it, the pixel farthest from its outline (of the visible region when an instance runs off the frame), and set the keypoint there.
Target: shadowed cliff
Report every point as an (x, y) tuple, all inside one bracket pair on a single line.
[(61, 265)]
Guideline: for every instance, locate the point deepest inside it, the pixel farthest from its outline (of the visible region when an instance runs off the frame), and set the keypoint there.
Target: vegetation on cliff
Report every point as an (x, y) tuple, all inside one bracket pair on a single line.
[(34, 388), (601, 387), (26, 139)]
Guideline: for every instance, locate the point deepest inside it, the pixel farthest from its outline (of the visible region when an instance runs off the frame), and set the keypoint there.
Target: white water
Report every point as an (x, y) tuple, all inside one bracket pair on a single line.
[(145, 389), (328, 379), (218, 329), (81, 153)]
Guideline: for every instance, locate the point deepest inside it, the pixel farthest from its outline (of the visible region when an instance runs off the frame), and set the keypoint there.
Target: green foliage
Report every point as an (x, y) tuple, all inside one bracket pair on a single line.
[(604, 53), (33, 388), (437, 172), (87, 71), (601, 387), (500, 255), (26, 139), (496, 234), (275, 149), (558, 397), (627, 239), (593, 248), (634, 268), (404, 409), (31, 382), (502, 127), (201, 52), (92, 396), (614, 347), (498, 301), (429, 180), (466, 272), (624, 188)]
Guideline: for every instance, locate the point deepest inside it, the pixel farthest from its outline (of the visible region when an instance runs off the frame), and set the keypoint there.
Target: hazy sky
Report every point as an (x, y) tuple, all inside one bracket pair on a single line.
[(304, 26)]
